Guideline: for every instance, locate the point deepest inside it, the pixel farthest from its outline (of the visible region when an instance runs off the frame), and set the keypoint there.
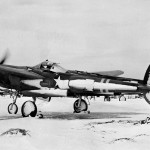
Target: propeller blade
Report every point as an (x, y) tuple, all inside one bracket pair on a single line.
[(4, 58)]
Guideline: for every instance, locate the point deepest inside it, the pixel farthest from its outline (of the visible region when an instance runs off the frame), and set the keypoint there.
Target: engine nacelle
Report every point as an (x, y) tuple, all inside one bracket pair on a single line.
[(91, 85), (47, 93), (147, 97), (82, 84)]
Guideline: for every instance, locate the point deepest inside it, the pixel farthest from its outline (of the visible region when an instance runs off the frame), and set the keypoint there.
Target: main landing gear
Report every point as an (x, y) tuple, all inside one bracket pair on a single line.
[(80, 105), (29, 108)]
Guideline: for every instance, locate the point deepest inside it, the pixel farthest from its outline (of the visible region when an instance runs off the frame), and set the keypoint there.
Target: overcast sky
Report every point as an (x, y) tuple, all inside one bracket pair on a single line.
[(90, 35)]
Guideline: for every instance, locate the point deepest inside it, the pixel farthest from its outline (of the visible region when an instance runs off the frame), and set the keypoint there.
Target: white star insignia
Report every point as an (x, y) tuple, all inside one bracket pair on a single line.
[(62, 84), (57, 81)]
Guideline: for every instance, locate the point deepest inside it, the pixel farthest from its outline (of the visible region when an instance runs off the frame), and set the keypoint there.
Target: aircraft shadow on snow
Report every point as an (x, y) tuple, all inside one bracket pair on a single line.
[(9, 117), (93, 115), (72, 116)]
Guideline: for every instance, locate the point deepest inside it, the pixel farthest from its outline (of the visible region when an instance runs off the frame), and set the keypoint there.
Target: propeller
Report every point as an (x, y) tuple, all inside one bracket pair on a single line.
[(4, 58)]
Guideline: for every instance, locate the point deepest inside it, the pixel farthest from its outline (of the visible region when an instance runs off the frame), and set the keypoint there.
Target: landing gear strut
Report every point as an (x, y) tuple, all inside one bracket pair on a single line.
[(80, 105), (12, 107)]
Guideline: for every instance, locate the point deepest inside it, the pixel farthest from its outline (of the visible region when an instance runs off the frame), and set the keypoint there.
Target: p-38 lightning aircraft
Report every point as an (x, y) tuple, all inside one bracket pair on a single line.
[(49, 79)]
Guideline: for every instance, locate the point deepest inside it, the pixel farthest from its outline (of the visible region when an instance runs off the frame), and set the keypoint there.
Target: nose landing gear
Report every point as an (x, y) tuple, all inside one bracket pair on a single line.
[(12, 107)]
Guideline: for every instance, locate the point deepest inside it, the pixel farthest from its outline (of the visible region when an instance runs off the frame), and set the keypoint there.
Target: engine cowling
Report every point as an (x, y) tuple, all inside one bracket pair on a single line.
[(147, 97)]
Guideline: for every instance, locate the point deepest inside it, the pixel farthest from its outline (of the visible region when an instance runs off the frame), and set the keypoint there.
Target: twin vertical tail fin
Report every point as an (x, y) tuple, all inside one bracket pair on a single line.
[(147, 76)]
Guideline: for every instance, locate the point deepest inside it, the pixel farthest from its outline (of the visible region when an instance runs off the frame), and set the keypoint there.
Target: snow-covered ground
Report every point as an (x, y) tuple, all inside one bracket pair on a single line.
[(111, 125)]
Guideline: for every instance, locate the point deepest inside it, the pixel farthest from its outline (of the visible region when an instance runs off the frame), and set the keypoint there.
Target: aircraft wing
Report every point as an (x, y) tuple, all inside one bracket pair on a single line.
[(107, 74), (110, 73), (20, 72)]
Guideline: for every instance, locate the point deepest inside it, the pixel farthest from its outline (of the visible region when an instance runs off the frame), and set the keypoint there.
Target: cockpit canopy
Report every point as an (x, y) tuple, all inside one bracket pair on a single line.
[(51, 66)]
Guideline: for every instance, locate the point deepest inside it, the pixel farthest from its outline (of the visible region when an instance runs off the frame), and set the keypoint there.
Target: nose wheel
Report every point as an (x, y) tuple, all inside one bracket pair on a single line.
[(12, 108), (80, 105)]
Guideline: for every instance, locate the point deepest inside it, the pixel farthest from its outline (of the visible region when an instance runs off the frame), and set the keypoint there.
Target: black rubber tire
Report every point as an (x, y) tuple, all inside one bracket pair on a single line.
[(33, 109), (79, 109), (15, 107)]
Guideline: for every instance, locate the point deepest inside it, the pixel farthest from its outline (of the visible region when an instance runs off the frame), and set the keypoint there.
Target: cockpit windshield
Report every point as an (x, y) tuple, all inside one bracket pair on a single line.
[(57, 68), (50, 66)]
